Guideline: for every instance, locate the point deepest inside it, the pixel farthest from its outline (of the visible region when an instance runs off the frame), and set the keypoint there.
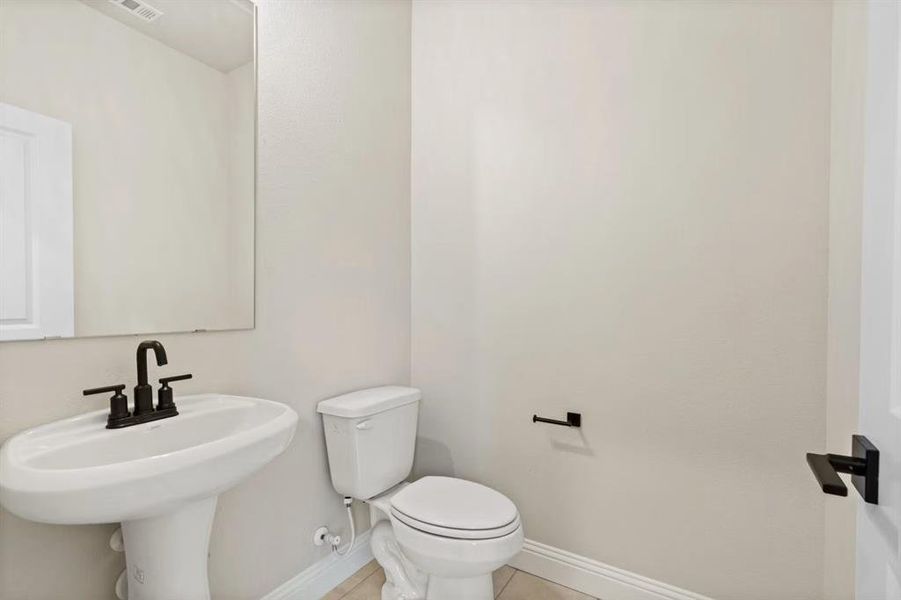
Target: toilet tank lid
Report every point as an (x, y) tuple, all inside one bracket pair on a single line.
[(365, 403)]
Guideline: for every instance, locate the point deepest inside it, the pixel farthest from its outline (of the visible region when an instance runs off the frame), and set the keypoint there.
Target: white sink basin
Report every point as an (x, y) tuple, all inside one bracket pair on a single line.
[(160, 479), (76, 471)]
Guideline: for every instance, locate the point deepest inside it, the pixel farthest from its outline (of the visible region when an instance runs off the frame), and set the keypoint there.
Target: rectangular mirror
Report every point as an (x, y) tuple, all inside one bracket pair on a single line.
[(127, 166)]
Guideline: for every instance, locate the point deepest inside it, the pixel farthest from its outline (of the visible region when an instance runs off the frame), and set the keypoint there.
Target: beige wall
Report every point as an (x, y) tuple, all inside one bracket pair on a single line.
[(656, 260), (162, 239), (332, 304), (621, 208), (849, 43)]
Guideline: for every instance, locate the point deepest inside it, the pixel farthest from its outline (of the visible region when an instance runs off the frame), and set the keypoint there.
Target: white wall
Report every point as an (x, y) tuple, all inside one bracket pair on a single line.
[(332, 304), (241, 95), (156, 246), (621, 208), (849, 41)]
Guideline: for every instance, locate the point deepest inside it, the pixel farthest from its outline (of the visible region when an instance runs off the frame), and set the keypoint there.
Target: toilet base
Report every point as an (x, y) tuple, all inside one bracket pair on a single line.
[(472, 588), (420, 566), (403, 580)]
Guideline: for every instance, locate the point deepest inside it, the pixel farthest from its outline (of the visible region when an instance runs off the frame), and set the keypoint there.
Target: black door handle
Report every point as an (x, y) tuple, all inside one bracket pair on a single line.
[(863, 465)]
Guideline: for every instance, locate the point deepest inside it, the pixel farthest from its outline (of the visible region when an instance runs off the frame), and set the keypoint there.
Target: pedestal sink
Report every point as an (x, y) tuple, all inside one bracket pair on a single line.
[(160, 479)]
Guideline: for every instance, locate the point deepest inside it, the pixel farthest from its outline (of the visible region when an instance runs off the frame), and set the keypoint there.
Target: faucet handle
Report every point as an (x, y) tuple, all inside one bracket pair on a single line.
[(118, 403), (110, 388), (164, 396), (165, 381)]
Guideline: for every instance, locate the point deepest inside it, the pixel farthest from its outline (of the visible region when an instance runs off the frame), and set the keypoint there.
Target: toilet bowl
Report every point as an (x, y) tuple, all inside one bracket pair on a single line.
[(455, 532), (438, 538)]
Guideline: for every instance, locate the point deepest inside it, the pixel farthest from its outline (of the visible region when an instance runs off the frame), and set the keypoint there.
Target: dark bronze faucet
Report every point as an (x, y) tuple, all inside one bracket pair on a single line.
[(144, 411), (144, 391)]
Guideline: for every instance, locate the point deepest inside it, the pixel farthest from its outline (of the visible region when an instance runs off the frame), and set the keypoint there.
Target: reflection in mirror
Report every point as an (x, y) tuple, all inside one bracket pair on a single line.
[(127, 145)]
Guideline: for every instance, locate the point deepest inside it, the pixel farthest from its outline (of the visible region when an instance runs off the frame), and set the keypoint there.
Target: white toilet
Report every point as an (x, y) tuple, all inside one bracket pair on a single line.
[(438, 538)]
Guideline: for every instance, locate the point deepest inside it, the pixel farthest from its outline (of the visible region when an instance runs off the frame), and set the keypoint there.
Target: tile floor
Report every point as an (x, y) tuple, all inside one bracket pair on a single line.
[(509, 584)]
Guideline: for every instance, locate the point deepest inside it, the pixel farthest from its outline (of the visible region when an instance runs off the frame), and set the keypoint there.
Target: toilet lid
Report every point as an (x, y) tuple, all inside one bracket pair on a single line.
[(398, 517), (455, 508)]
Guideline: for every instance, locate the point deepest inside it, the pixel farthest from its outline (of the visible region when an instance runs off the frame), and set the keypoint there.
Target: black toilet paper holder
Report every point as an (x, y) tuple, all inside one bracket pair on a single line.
[(572, 420)]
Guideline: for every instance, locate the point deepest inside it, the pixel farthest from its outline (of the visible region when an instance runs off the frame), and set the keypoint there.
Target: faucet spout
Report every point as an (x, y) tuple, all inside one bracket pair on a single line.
[(143, 391), (158, 350)]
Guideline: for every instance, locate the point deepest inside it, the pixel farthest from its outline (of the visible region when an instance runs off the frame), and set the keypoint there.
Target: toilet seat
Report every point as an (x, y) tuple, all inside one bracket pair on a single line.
[(457, 534), (455, 508)]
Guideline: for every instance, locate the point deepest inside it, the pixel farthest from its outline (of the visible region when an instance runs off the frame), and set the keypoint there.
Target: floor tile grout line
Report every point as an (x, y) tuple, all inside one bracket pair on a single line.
[(350, 591), (497, 595), (557, 584)]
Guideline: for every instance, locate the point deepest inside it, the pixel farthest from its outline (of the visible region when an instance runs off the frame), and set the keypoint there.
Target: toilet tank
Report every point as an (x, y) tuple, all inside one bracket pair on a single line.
[(370, 436)]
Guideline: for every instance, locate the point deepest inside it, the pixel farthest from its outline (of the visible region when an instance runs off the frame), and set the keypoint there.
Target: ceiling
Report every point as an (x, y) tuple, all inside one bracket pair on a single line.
[(218, 33)]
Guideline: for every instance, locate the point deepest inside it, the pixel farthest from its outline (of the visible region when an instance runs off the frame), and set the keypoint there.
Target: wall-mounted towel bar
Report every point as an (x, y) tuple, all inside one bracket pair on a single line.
[(572, 420)]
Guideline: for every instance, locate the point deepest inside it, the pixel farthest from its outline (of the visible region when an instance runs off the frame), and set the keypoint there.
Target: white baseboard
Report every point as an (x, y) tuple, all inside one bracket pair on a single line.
[(323, 576), (592, 577), (571, 570)]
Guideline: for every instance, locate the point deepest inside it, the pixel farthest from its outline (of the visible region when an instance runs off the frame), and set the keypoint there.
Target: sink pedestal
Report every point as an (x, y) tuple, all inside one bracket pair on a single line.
[(166, 556)]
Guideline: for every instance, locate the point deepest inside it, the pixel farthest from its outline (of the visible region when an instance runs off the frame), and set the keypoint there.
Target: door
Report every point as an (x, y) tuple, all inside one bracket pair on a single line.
[(879, 525), (36, 257)]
